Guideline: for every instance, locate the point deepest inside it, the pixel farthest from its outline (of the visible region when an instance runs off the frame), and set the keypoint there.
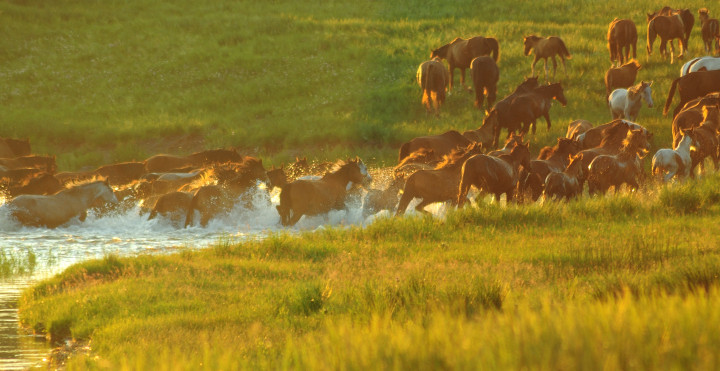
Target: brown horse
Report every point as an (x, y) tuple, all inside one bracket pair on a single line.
[(433, 79), (546, 48), (171, 163), (710, 31), (18, 147), (705, 138), (510, 143), (567, 184), (43, 184), (607, 171), (686, 15), (668, 28), (460, 52), (55, 210), (173, 206), (485, 75), (622, 36), (496, 175), (621, 77), (556, 160), (577, 127), (440, 144), (314, 197), (46, 163), (691, 86), (423, 157), (595, 136), (277, 178), (439, 184), (121, 173), (691, 115), (211, 200)]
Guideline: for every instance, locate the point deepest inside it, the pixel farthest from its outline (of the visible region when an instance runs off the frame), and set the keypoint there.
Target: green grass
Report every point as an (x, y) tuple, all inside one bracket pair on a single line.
[(120, 80), (613, 282)]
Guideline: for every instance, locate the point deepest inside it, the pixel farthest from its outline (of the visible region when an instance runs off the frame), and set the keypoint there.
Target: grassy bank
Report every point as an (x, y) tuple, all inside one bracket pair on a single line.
[(109, 81), (615, 282)]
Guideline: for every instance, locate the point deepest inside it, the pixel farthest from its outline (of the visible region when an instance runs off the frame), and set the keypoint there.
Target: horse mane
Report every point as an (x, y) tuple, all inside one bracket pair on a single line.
[(611, 133), (421, 155), (81, 182), (457, 156)]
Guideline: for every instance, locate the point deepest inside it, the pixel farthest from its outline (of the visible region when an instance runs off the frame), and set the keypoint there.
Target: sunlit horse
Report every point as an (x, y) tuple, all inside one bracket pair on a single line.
[(691, 86), (55, 210), (710, 31), (607, 171), (673, 162), (622, 36), (688, 20), (314, 197), (691, 115), (432, 76), (546, 48), (485, 75), (621, 77), (626, 103), (460, 52), (667, 28), (706, 63), (566, 184)]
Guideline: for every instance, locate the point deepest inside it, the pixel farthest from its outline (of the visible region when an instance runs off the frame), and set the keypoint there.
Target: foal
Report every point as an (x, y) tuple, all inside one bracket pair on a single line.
[(567, 184), (705, 138), (607, 171), (673, 162), (626, 103)]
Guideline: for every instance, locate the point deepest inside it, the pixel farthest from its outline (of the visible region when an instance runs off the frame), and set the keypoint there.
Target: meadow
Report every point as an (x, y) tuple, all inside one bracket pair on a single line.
[(616, 282)]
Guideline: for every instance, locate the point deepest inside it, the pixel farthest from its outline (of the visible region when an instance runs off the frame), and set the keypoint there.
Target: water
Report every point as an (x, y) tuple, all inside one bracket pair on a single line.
[(127, 232)]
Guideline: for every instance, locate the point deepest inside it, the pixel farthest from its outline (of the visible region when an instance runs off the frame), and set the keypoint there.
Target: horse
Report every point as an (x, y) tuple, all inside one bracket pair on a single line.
[(277, 178), (512, 141), (621, 37), (706, 63), (688, 20), (439, 184), (595, 136), (46, 163), (668, 28), (566, 184), (546, 48), (43, 184), (691, 115), (460, 52), (433, 79), (621, 77), (18, 147), (485, 75), (422, 158), (440, 144), (626, 103), (486, 133), (496, 175), (607, 171), (170, 163), (555, 160), (673, 162), (16, 177), (210, 200), (691, 86), (577, 127), (710, 30), (121, 173), (314, 197), (705, 138), (172, 205), (383, 199), (54, 210)]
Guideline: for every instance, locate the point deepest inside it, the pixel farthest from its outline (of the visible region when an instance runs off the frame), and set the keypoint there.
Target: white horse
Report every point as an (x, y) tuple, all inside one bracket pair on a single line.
[(672, 162), (696, 64), (626, 103)]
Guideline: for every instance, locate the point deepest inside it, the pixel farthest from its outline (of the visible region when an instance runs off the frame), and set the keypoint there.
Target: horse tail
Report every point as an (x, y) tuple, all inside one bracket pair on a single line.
[(670, 96), (563, 49), (651, 34), (427, 92), (494, 48)]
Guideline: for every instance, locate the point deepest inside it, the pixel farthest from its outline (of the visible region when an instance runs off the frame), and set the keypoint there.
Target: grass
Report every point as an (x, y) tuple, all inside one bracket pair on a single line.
[(622, 281), (120, 81)]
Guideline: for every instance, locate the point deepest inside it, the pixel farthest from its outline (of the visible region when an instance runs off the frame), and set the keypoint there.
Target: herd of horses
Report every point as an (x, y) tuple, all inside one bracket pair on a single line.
[(192, 190)]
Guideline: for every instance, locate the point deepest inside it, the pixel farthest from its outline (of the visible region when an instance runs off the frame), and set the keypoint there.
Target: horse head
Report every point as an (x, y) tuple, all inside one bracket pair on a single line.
[(569, 146), (521, 154), (529, 42), (560, 94), (440, 52), (647, 92), (703, 14)]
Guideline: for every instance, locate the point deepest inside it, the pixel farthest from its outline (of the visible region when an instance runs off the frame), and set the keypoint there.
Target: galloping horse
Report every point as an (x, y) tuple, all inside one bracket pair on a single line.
[(567, 184), (691, 115), (313, 197), (691, 86), (432, 76), (502, 111), (55, 210), (594, 137), (485, 75), (668, 28), (440, 144), (705, 138), (578, 127), (710, 31), (556, 160), (621, 36), (496, 175), (673, 162), (460, 52), (546, 48), (626, 103), (170, 163), (607, 171), (621, 77)]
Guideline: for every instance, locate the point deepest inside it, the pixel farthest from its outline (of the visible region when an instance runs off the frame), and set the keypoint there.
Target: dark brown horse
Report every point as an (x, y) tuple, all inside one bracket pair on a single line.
[(43, 184), (667, 28), (485, 75), (277, 178), (501, 110), (607, 171), (421, 159), (566, 184), (622, 36), (460, 52), (440, 144), (688, 20), (121, 173), (710, 31), (314, 197), (171, 163), (691, 86), (510, 143), (10, 147), (496, 175), (46, 163), (594, 137), (546, 47), (621, 77), (173, 206), (556, 159), (691, 115), (432, 76), (439, 184), (705, 138)]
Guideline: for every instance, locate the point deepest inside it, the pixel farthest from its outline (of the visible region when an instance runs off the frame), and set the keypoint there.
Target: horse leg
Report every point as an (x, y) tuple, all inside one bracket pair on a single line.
[(421, 206), (555, 67), (545, 64), (532, 66), (294, 219), (404, 201), (462, 78), (547, 119), (452, 68)]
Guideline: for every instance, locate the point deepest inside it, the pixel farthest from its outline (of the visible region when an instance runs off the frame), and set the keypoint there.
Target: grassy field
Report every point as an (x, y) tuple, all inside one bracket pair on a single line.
[(627, 281), (109, 81)]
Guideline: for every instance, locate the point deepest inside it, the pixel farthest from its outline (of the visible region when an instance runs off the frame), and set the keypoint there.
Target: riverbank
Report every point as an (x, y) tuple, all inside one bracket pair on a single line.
[(620, 281)]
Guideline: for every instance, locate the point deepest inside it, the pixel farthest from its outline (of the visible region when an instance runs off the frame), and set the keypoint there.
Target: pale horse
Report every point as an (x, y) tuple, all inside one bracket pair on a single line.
[(626, 103), (672, 162)]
